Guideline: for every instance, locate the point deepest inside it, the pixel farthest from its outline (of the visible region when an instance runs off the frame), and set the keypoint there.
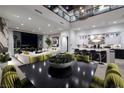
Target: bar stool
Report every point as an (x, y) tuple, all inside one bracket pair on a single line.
[(96, 56), (85, 52), (77, 51)]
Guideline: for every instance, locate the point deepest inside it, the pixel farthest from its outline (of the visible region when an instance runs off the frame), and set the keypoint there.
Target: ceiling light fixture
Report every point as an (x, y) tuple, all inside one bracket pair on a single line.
[(114, 22), (17, 27), (56, 10), (49, 25), (39, 28), (80, 7), (17, 16), (82, 10), (22, 24), (29, 18), (67, 7)]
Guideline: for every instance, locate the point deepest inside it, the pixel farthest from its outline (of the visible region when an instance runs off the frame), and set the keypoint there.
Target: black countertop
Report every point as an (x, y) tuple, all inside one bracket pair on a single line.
[(119, 53), (41, 75)]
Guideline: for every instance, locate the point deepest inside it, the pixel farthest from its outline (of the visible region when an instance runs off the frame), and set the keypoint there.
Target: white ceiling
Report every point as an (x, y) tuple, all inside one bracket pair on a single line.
[(17, 18), (19, 14)]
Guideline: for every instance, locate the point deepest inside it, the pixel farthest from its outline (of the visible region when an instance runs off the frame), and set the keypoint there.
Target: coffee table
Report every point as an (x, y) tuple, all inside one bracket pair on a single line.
[(42, 75)]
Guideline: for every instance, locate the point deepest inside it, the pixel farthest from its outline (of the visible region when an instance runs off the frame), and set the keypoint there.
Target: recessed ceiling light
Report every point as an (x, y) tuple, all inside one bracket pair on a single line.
[(56, 10), (17, 27), (67, 7), (39, 28), (82, 10), (49, 25), (29, 18), (17, 16), (80, 7), (114, 22), (93, 26), (22, 24)]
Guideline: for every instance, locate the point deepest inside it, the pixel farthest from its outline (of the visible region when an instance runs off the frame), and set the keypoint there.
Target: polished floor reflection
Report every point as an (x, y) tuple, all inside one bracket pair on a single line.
[(42, 75)]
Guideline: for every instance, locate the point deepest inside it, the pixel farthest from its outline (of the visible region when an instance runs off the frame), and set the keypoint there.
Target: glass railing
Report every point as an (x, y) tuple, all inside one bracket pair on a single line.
[(85, 13)]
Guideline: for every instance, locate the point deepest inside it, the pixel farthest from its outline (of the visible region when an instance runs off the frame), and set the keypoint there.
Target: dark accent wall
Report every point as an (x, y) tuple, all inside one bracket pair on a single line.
[(22, 39), (30, 40)]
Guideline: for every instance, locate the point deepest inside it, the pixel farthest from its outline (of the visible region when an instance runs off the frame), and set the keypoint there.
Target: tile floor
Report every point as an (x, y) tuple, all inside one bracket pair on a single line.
[(100, 72)]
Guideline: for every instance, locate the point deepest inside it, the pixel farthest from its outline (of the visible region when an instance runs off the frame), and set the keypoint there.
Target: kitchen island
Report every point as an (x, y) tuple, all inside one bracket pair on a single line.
[(107, 55), (119, 53)]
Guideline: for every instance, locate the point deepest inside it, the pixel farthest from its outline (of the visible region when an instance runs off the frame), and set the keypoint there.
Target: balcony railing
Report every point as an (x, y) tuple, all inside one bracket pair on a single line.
[(78, 15)]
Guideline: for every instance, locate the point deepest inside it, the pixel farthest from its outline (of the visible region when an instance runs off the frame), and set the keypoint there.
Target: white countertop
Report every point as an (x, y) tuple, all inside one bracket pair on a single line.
[(102, 49)]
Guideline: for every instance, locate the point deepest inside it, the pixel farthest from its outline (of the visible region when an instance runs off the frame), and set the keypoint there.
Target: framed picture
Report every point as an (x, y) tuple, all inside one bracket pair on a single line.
[(55, 41)]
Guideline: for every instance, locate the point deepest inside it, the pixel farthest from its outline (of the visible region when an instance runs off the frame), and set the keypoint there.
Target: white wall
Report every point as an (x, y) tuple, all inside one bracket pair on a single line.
[(71, 41), (108, 29), (99, 20), (63, 41), (74, 36)]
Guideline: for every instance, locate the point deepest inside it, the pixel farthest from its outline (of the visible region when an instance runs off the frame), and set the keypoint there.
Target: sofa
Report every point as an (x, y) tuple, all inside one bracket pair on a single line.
[(40, 58), (83, 58), (30, 57), (10, 79), (113, 78)]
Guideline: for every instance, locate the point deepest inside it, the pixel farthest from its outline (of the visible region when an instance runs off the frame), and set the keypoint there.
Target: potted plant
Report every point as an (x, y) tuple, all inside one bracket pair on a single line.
[(48, 42), (4, 58)]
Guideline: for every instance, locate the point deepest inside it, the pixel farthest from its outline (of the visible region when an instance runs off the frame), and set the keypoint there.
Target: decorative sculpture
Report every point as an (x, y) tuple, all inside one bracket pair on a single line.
[(3, 36)]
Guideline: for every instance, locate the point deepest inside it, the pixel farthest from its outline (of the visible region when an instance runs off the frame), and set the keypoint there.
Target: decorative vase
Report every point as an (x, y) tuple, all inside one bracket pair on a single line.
[(61, 65)]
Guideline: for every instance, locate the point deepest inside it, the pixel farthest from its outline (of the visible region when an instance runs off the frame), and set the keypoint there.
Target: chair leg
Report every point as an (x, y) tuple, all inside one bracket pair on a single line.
[(100, 59)]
